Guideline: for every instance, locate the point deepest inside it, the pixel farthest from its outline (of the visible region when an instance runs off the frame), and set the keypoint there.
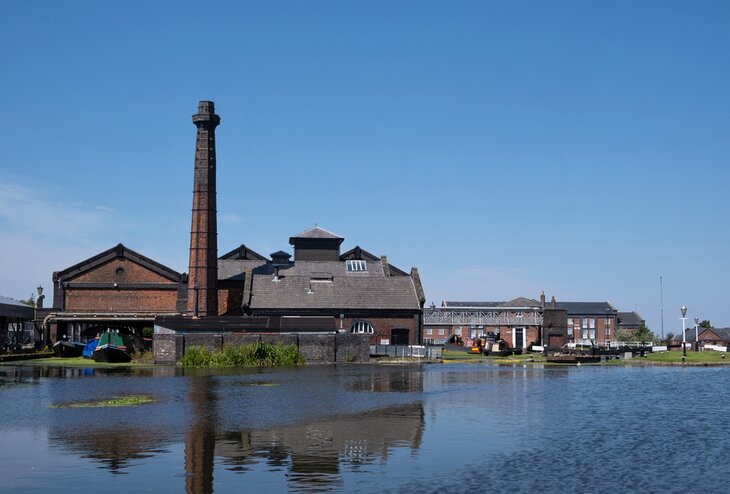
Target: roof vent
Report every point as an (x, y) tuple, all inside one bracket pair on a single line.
[(279, 259)]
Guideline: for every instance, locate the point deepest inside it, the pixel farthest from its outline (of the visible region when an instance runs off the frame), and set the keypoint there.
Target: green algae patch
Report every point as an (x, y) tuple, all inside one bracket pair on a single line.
[(123, 401)]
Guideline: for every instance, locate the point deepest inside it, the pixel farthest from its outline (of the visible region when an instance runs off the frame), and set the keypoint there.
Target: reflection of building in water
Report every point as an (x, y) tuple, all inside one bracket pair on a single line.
[(401, 379), (200, 438), (317, 451), (114, 447)]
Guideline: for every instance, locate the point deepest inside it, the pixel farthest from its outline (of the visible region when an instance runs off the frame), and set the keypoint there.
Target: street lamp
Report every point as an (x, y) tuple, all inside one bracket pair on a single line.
[(684, 332), (697, 340)]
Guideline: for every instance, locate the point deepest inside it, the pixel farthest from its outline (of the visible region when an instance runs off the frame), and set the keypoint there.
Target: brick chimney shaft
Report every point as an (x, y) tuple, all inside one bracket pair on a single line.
[(203, 267)]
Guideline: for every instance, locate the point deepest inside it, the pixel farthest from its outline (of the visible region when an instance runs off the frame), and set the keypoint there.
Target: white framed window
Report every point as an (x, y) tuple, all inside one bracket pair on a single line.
[(361, 327), (429, 331), (442, 331), (458, 331), (356, 265)]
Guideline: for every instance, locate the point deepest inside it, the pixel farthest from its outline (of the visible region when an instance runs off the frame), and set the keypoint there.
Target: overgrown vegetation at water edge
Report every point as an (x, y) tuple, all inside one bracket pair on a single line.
[(258, 354)]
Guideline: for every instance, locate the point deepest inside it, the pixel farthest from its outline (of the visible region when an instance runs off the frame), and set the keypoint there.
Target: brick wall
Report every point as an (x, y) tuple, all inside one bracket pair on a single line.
[(315, 348), (230, 301), (121, 300), (120, 270), (383, 327)]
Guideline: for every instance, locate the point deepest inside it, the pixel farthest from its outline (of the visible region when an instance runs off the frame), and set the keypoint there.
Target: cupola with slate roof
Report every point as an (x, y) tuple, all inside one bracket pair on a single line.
[(316, 244)]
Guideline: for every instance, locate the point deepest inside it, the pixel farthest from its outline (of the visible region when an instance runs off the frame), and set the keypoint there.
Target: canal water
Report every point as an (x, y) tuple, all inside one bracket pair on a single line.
[(368, 428)]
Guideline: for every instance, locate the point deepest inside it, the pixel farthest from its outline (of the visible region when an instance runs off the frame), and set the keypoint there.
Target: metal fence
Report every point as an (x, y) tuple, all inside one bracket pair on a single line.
[(405, 351)]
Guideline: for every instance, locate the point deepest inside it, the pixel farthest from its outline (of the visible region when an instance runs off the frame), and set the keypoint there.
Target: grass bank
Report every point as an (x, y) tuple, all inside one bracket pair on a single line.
[(456, 356), (675, 356), (143, 360), (258, 354)]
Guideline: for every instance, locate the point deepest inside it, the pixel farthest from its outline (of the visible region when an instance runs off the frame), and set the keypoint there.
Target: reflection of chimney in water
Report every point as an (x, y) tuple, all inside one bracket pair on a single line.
[(200, 437)]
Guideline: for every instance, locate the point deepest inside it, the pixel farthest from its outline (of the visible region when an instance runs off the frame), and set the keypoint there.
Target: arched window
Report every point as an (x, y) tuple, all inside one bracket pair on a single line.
[(361, 327)]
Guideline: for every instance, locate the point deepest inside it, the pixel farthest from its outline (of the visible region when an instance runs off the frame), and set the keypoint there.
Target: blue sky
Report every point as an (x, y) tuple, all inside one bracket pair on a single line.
[(503, 148)]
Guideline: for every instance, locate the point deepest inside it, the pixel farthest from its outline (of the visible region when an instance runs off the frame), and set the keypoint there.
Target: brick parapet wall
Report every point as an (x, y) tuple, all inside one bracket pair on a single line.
[(315, 348)]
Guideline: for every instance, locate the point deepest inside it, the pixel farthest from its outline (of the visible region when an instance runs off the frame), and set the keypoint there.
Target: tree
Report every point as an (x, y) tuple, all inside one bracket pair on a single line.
[(640, 334), (705, 324), (643, 333), (29, 301)]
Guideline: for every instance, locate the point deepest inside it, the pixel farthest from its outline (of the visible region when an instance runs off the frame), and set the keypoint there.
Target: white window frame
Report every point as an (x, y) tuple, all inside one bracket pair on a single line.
[(356, 265), (361, 327)]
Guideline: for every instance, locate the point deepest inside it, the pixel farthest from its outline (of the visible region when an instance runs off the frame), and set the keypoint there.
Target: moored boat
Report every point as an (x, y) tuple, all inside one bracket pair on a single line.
[(113, 347), (68, 349)]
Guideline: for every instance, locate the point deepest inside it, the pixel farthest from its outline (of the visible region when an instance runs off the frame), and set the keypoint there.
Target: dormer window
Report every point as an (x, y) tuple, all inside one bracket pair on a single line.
[(356, 265)]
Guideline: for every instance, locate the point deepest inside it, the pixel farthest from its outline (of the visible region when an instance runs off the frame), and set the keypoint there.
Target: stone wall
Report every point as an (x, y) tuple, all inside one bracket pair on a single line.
[(315, 348)]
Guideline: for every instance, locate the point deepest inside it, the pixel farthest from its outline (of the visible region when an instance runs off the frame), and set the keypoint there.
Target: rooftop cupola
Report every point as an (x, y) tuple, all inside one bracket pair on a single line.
[(316, 244)]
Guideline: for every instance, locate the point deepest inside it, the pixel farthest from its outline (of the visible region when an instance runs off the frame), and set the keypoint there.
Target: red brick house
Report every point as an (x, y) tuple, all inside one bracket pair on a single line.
[(590, 321)]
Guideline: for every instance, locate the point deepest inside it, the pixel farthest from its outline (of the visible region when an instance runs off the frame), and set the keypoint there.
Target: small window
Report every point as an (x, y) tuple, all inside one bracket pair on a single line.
[(356, 265), (361, 327), (119, 273)]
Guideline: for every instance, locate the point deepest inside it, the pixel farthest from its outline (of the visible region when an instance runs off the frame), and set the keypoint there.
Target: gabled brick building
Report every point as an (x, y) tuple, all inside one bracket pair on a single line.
[(117, 288)]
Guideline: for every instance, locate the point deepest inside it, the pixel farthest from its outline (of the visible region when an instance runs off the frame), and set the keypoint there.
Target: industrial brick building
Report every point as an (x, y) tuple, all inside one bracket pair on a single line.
[(319, 290)]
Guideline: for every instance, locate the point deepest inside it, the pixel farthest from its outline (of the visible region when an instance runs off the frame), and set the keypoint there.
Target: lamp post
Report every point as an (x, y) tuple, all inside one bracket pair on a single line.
[(684, 333), (697, 340)]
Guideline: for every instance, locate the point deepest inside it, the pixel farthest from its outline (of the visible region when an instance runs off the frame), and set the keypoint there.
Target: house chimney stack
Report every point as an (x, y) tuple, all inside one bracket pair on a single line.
[(203, 267)]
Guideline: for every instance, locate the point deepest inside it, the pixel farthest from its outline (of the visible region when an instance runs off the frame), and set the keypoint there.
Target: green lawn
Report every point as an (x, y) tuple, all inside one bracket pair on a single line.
[(75, 362), (456, 356), (709, 356)]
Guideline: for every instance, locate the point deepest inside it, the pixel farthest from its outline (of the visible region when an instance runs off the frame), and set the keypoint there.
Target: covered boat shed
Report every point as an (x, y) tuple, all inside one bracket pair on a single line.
[(16, 323)]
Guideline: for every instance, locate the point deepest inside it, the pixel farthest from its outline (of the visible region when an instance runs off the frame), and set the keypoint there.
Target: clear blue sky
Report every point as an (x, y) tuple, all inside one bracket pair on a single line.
[(503, 148)]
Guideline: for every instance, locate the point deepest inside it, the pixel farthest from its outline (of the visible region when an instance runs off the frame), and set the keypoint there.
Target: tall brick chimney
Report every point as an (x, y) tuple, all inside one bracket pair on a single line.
[(203, 268)]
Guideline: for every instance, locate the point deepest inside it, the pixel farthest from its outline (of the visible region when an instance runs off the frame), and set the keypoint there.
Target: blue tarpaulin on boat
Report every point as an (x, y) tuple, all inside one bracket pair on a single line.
[(89, 348)]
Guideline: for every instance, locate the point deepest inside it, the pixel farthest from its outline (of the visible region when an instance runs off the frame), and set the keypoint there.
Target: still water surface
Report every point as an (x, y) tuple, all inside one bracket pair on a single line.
[(368, 428)]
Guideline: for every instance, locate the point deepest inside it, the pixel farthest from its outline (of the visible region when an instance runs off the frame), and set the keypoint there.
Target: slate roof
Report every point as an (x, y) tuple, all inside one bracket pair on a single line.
[(464, 305), (317, 233), (629, 319), (343, 292), (358, 252), (13, 308), (521, 302), (722, 333), (518, 302), (234, 269), (242, 253), (586, 308)]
